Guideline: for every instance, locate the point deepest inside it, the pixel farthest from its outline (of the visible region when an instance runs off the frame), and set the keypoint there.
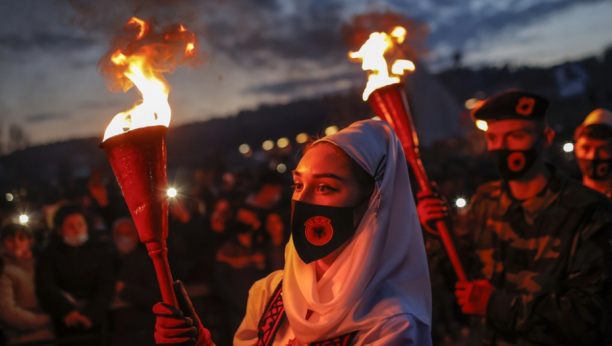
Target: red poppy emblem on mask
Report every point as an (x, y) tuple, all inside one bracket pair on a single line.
[(525, 106), (602, 169), (516, 161), (319, 230)]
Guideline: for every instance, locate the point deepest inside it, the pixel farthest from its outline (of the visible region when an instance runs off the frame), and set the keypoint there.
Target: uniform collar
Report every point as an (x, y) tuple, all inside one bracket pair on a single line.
[(534, 205)]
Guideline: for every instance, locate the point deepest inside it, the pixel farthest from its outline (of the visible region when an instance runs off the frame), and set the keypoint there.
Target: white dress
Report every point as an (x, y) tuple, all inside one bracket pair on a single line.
[(401, 329)]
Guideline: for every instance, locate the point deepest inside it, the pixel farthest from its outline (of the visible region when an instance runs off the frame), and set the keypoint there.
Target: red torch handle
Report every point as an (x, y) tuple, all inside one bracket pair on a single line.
[(390, 103), (158, 251), (138, 159)]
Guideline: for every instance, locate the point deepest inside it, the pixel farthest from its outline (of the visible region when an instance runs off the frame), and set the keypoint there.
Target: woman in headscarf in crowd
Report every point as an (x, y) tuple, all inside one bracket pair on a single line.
[(356, 270)]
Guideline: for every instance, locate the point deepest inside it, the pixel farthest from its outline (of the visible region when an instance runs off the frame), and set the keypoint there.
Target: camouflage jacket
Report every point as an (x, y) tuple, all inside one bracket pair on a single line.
[(549, 259)]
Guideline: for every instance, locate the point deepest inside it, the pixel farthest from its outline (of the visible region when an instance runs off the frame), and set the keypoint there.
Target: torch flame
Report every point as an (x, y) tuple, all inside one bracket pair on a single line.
[(142, 63), (372, 55)]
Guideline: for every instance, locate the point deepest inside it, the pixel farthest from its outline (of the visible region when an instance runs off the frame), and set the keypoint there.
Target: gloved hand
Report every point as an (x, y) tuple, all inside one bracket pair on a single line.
[(179, 327), (431, 208), (473, 296)]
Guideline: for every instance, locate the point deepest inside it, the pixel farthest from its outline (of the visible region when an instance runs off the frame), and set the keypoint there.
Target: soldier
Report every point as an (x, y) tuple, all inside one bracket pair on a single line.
[(593, 151), (538, 243)]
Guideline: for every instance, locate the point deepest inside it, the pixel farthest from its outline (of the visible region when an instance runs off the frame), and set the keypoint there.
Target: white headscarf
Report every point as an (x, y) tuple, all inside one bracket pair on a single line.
[(383, 271)]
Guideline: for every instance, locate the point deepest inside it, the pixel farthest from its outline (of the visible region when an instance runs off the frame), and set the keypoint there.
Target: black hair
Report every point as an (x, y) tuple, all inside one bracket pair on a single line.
[(12, 229), (66, 210), (594, 131)]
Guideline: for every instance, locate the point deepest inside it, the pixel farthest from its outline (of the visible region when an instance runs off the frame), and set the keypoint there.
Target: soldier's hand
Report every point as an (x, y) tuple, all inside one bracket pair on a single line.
[(473, 296), (431, 207)]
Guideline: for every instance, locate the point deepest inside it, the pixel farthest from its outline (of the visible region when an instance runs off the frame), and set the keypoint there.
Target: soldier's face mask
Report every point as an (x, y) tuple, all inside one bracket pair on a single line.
[(318, 230), (596, 169), (513, 164)]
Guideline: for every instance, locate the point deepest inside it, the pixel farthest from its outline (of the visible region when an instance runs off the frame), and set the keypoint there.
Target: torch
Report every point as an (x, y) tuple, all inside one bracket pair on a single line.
[(386, 96), (135, 140)]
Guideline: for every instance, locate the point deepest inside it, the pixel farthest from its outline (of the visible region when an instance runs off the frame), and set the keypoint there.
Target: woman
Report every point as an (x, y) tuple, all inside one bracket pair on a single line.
[(360, 278), (21, 317)]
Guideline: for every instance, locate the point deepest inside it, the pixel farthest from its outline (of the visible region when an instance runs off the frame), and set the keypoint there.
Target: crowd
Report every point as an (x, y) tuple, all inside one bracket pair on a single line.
[(75, 272)]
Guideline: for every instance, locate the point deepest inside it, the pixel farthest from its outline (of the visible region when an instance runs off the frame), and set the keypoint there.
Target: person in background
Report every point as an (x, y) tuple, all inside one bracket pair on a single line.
[(21, 317), (74, 276), (593, 150), (239, 264), (136, 287), (537, 243), (275, 243)]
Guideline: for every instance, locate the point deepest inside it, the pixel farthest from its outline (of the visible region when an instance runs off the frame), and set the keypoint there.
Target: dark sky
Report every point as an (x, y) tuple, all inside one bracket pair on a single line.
[(259, 51)]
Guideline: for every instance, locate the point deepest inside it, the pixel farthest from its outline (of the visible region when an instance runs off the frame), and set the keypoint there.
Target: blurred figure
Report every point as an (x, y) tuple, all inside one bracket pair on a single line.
[(275, 244), (136, 287), (537, 242), (593, 151), (21, 317), (74, 280), (239, 264)]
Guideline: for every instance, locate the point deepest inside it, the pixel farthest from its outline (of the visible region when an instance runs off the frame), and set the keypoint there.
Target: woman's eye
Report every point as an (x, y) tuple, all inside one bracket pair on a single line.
[(297, 186), (325, 189)]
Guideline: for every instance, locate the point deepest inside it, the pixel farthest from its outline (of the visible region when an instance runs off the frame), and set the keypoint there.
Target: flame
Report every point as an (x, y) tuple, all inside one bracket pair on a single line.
[(372, 56), (141, 63)]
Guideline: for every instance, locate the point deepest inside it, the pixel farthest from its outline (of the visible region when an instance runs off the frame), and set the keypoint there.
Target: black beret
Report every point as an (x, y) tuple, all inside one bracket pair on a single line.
[(512, 104)]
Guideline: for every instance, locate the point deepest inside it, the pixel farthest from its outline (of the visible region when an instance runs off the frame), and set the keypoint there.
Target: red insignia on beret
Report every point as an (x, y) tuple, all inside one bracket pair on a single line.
[(319, 230), (525, 105)]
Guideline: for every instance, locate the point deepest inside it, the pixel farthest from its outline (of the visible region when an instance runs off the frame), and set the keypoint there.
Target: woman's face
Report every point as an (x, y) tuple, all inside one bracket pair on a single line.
[(324, 177)]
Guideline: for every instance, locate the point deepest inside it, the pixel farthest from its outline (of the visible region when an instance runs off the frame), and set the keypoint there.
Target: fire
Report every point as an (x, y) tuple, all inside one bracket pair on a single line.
[(139, 58), (372, 56)]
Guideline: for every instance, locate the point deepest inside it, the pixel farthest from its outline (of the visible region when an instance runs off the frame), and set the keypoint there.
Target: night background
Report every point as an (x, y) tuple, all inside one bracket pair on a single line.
[(278, 68), (273, 73)]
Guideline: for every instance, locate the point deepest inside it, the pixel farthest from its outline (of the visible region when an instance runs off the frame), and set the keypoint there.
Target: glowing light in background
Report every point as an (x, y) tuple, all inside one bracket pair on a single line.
[(9, 197), (172, 192), (282, 143), (482, 125), (376, 118), (460, 202), (568, 147), (244, 148), (281, 168), (471, 103), (301, 138), (331, 130), (23, 219), (267, 145)]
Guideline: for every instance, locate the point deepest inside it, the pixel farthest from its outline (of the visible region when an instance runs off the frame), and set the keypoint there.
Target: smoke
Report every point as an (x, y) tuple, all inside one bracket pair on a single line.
[(158, 50)]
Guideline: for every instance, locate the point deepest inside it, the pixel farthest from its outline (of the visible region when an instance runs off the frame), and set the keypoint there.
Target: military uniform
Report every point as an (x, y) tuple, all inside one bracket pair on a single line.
[(548, 258)]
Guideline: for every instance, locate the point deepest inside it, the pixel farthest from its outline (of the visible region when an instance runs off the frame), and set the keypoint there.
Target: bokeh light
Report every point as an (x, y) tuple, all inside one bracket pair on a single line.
[(267, 145), (244, 149), (172, 192), (283, 142), (281, 168), (331, 130), (23, 219), (301, 138), (568, 147), (460, 202)]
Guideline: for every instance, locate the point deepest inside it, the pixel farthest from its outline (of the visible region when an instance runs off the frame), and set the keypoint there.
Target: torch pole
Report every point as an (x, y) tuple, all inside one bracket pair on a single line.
[(390, 103), (138, 159)]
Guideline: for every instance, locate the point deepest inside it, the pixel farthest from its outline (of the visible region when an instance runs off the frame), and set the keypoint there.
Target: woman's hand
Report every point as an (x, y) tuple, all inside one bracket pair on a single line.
[(179, 327), (431, 208)]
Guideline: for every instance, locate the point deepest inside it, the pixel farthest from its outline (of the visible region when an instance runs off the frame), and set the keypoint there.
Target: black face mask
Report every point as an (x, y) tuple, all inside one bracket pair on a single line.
[(318, 230), (596, 169), (512, 164)]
